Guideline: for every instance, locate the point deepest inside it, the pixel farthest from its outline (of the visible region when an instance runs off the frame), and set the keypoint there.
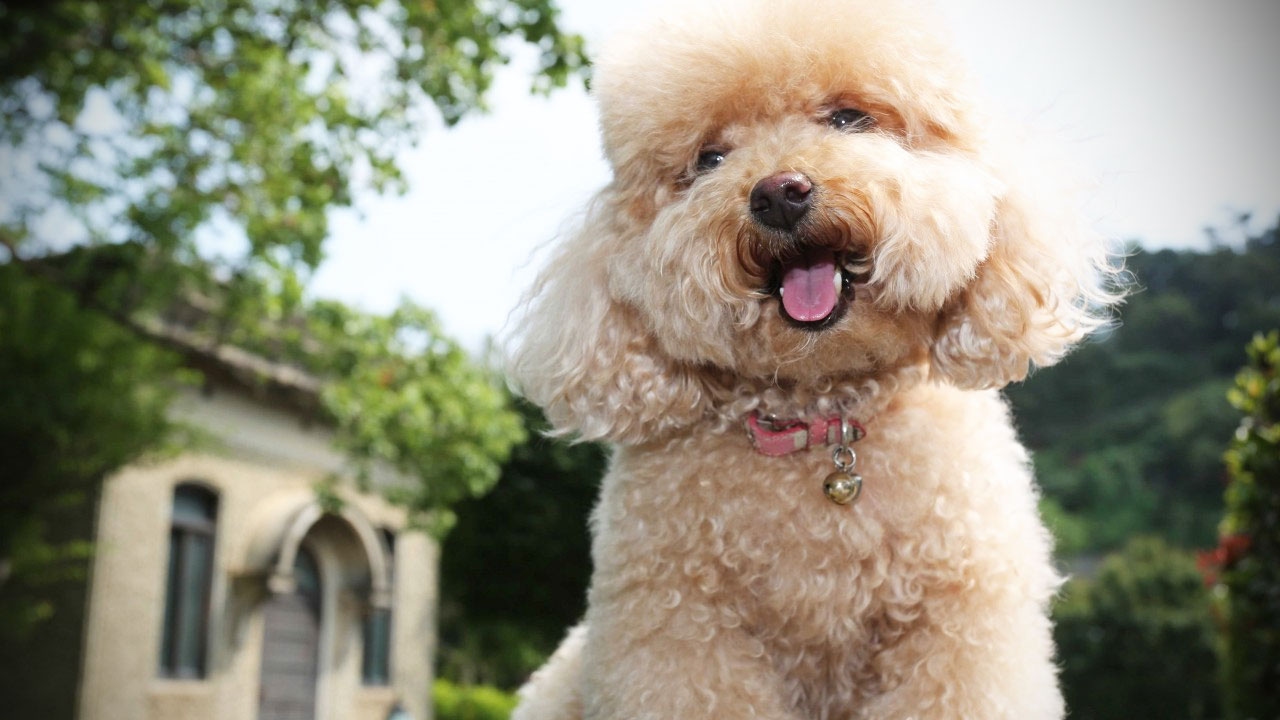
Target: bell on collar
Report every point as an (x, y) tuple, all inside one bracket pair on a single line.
[(842, 487)]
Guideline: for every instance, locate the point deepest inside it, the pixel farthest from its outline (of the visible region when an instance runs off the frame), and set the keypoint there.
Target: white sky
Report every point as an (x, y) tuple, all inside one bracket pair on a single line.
[(1173, 105)]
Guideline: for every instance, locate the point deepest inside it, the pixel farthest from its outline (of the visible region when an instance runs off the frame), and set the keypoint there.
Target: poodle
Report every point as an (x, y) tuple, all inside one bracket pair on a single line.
[(791, 312)]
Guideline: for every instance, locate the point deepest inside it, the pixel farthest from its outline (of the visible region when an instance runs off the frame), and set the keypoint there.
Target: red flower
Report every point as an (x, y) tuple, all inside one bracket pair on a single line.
[(1233, 548), (1229, 551), (1209, 563)]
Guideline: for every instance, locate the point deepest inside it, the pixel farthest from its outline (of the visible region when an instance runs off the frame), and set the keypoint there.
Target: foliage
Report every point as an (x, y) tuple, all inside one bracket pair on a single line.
[(1071, 533), (1137, 640), (479, 702), (258, 114), (404, 395), (1248, 555), (1127, 432), (80, 398), (514, 571)]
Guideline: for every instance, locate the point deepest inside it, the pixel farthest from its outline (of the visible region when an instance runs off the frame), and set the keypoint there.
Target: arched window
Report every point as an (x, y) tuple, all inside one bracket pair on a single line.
[(183, 648), (375, 667)]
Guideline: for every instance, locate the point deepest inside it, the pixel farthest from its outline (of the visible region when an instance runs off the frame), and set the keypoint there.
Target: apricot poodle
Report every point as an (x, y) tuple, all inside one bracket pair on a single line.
[(791, 312)]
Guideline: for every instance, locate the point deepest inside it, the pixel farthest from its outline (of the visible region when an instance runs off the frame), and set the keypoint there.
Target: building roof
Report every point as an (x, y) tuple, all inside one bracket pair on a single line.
[(95, 274)]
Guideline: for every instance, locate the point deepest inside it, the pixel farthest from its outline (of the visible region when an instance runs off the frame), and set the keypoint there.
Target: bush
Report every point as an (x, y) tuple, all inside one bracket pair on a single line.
[(475, 702), (1247, 559), (1137, 641)]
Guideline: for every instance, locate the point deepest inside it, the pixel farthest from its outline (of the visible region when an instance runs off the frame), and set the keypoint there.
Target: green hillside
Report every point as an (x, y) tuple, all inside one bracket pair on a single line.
[(1128, 432)]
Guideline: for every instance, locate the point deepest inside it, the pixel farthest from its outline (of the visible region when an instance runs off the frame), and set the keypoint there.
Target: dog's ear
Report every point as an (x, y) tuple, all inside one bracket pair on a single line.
[(589, 360), (1045, 284)]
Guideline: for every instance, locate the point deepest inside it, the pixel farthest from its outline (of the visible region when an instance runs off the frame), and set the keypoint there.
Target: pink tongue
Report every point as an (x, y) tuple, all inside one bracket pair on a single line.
[(808, 286)]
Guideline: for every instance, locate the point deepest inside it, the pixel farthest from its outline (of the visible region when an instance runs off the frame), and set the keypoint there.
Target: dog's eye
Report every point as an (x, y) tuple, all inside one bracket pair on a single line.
[(709, 160), (850, 120)]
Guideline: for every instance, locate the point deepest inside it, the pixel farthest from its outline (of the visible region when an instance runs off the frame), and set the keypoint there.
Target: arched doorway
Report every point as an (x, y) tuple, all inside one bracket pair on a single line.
[(291, 646)]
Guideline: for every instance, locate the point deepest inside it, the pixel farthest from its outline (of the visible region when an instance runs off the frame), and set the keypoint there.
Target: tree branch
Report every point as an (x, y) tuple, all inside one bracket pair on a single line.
[(210, 355)]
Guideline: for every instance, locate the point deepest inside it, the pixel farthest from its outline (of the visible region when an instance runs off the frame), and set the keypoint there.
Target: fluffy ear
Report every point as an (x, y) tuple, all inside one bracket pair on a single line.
[(589, 360), (1045, 284)]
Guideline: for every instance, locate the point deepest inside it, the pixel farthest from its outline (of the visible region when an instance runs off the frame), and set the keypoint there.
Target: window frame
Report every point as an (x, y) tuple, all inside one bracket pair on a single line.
[(369, 665), (178, 660)]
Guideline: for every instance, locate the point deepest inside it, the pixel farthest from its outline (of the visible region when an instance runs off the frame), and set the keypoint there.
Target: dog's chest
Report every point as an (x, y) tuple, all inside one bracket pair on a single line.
[(825, 588), (778, 548), (704, 535)]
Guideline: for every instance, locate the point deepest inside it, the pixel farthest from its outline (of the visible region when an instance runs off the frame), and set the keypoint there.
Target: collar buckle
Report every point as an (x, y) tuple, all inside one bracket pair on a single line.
[(774, 437)]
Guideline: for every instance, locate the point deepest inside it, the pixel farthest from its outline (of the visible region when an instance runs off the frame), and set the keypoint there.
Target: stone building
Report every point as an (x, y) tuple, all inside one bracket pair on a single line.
[(249, 577)]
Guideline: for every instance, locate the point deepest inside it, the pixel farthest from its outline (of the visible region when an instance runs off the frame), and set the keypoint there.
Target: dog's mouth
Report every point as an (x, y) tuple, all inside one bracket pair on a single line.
[(816, 285)]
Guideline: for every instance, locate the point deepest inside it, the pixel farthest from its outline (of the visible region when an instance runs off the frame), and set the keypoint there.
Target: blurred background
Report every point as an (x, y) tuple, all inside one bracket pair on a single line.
[(256, 456)]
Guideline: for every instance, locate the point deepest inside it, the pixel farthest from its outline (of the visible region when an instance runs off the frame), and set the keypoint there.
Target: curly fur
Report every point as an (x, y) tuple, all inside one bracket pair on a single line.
[(725, 583)]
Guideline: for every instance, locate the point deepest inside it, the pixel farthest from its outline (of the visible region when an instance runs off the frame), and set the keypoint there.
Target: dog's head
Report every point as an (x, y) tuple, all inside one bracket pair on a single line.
[(804, 193)]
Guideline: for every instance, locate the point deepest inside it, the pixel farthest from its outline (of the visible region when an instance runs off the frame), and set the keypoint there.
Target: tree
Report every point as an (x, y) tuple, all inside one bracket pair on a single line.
[(156, 122), (1247, 560), (1137, 640), (172, 156), (66, 419), (531, 533), (147, 120)]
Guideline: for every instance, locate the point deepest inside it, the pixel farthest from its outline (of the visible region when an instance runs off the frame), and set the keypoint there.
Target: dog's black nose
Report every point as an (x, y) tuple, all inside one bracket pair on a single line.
[(780, 200)]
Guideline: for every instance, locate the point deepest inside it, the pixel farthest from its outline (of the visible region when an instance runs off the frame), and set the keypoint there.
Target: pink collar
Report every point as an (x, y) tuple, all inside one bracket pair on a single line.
[(775, 438)]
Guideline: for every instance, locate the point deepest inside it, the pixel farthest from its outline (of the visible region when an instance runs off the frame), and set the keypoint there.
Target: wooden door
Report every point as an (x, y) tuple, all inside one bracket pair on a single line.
[(291, 647)]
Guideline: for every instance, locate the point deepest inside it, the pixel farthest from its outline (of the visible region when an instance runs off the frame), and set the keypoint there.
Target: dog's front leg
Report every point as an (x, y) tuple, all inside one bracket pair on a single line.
[(669, 657), (995, 666)]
